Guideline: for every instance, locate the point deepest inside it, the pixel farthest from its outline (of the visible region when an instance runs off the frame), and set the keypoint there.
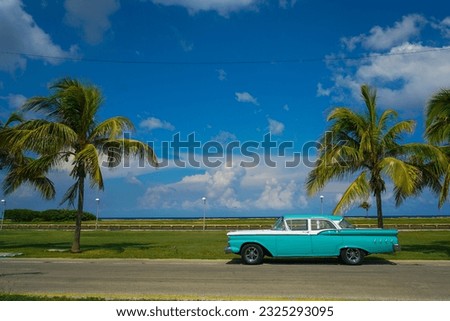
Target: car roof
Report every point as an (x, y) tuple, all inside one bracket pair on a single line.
[(315, 216)]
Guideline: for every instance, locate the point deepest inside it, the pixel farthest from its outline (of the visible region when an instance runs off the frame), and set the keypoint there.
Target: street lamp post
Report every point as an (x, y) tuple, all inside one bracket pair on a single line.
[(321, 204), (3, 213), (204, 212), (96, 219)]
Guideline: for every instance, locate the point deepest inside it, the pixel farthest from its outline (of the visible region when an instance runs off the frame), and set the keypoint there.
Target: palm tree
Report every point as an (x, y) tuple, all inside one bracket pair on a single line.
[(366, 145), (365, 205), (6, 157), (70, 133), (437, 132)]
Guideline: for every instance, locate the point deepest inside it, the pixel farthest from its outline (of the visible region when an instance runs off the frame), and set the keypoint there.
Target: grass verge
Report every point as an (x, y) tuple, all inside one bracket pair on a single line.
[(416, 245)]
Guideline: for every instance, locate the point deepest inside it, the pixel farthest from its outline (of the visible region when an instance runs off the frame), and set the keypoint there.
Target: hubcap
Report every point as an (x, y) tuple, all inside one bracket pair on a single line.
[(353, 255), (252, 254)]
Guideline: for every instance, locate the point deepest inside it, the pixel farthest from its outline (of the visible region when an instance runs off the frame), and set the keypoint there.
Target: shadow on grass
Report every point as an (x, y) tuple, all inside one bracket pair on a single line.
[(116, 247), (434, 248)]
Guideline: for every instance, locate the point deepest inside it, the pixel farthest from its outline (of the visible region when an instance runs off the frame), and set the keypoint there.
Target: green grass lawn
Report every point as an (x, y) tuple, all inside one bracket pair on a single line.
[(420, 245)]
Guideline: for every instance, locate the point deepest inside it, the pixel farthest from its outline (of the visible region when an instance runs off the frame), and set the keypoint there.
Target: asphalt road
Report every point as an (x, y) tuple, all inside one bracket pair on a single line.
[(221, 279)]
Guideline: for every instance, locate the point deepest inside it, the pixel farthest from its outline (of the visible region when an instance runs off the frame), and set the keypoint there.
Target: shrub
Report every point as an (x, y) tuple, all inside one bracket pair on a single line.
[(52, 215)]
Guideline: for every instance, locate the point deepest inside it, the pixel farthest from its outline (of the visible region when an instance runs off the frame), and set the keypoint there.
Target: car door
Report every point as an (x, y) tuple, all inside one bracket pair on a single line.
[(325, 238), (295, 240)]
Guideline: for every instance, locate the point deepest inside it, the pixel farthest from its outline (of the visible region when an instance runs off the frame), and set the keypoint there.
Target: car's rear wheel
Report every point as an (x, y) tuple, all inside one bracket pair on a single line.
[(352, 256), (252, 254)]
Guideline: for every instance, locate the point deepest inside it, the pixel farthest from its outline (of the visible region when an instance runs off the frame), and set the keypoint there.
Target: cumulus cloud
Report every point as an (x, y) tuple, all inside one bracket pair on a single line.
[(155, 123), (404, 79), (405, 73), (384, 38), (222, 7), (232, 187), (23, 38), (91, 16), (15, 101), (245, 97), (444, 27), (275, 127), (276, 195), (322, 91)]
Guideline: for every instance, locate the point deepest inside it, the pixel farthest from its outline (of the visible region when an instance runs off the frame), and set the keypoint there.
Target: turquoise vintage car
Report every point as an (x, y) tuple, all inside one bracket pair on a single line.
[(312, 236)]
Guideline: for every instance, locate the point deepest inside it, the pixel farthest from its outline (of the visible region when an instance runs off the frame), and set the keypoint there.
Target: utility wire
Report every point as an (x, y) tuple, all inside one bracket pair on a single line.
[(224, 62)]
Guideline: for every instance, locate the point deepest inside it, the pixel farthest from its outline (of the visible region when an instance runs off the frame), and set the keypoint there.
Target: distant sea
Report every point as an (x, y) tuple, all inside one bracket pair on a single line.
[(259, 217)]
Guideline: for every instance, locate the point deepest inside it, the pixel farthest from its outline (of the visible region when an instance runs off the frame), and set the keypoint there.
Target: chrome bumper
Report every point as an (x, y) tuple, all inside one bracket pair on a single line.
[(228, 250), (397, 248)]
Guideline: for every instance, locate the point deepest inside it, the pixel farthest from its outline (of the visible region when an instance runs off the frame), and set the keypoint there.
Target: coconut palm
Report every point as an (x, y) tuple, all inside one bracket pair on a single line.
[(70, 135), (365, 147), (365, 205), (15, 160), (6, 157), (438, 133)]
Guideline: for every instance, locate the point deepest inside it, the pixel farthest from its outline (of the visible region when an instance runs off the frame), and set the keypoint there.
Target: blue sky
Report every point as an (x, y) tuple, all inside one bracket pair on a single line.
[(225, 73)]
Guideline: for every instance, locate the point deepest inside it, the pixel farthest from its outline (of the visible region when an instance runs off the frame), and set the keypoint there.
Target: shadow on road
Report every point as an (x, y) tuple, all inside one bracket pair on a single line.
[(315, 261)]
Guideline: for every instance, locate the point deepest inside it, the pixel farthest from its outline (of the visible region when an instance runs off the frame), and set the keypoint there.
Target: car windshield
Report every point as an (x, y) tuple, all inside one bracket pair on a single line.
[(345, 224), (279, 225)]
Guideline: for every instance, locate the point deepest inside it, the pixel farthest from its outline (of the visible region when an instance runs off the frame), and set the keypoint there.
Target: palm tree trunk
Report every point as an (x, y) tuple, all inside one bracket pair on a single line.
[(77, 234), (379, 209)]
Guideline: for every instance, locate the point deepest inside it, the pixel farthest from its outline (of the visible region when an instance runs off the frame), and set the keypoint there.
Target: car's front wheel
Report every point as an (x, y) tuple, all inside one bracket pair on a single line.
[(352, 256), (252, 254)]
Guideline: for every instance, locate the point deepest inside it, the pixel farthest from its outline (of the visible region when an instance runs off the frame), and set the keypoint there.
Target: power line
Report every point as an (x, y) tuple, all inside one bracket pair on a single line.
[(225, 62)]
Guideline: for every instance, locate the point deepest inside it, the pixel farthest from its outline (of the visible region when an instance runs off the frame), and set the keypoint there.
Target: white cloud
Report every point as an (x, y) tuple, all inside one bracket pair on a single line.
[(20, 35), (405, 74), (91, 16), (245, 97), (232, 187), (384, 38), (277, 196), (287, 3), (222, 7), (15, 101), (221, 74), (444, 27), (403, 80), (275, 127), (155, 123), (224, 137), (322, 91), (186, 45), (132, 179)]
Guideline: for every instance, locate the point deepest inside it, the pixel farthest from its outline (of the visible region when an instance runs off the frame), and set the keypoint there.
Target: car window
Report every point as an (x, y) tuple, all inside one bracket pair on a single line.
[(297, 225), (322, 225), (345, 224), (279, 225)]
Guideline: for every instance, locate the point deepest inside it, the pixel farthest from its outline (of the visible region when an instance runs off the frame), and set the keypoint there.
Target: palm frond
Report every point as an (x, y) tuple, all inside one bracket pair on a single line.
[(111, 128), (71, 195), (406, 177), (438, 118), (445, 188), (88, 160), (118, 148), (369, 96), (358, 190), (18, 176), (394, 133)]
